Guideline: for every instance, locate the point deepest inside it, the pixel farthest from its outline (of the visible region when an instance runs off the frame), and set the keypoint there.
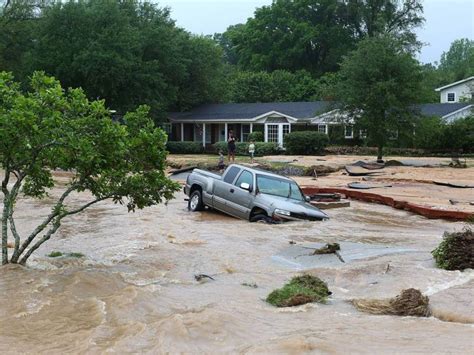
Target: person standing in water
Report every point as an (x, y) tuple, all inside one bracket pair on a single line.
[(231, 146)]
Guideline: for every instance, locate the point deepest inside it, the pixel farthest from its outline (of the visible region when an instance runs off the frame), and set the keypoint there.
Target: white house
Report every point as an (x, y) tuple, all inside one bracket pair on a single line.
[(460, 91), (211, 123)]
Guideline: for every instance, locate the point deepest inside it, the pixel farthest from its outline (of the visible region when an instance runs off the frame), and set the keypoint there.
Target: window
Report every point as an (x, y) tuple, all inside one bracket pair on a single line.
[(451, 97), (272, 133), (322, 128), (231, 174), (363, 133), (348, 132), (245, 132), (278, 187), (393, 134), (246, 177), (286, 129)]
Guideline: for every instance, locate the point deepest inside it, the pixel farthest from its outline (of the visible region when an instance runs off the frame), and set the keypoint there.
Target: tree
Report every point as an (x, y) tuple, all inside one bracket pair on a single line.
[(379, 83), (125, 52), (277, 86), (314, 35), (458, 62), (397, 18), (48, 128)]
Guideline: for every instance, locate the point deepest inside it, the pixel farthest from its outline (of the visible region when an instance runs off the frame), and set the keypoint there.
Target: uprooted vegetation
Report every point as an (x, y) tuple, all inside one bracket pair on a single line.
[(300, 290), (330, 248), (409, 302), (456, 251), (56, 254)]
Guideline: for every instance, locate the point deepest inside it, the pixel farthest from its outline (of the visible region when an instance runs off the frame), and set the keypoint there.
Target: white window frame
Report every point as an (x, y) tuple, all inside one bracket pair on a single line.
[(363, 133), (454, 97), (325, 128), (279, 132), (345, 132)]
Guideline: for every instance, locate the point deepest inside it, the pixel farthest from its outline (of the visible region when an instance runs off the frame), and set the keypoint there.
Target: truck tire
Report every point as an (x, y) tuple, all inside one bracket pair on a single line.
[(261, 218), (195, 201)]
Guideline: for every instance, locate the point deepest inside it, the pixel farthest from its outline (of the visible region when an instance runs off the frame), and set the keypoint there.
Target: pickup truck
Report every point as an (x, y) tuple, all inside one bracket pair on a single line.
[(250, 194)]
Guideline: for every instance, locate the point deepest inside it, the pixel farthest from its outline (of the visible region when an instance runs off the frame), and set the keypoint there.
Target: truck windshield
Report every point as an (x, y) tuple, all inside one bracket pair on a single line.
[(278, 187)]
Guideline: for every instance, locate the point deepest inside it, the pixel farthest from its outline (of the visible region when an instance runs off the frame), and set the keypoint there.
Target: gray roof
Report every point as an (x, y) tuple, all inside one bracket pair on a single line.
[(252, 110), (440, 110), (299, 110)]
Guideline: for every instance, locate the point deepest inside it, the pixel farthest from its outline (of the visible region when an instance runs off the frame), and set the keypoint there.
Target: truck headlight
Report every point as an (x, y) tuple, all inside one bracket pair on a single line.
[(282, 212)]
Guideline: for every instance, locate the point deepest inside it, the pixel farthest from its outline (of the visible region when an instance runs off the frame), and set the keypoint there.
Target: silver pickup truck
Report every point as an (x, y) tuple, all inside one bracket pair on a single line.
[(251, 194)]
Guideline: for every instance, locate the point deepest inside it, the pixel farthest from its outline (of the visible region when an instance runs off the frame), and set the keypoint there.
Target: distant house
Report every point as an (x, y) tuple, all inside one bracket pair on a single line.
[(211, 123), (460, 91)]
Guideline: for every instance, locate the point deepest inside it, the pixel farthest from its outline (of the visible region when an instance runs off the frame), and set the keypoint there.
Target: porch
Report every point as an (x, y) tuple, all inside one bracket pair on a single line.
[(210, 133)]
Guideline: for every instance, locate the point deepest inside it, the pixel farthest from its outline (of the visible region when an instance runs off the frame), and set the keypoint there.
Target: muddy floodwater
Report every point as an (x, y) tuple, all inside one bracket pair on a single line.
[(135, 291)]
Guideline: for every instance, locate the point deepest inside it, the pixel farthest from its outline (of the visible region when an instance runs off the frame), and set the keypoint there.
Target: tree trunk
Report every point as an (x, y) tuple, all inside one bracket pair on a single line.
[(5, 231), (379, 154)]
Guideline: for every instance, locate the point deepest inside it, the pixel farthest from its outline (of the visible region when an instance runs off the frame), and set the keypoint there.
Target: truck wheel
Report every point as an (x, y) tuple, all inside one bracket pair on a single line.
[(261, 218), (195, 202)]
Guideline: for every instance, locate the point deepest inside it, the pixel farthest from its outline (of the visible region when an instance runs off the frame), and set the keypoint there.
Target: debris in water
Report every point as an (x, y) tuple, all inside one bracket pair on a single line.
[(387, 269), (200, 277), (410, 302), (300, 290), (456, 251), (292, 242), (251, 285), (330, 248)]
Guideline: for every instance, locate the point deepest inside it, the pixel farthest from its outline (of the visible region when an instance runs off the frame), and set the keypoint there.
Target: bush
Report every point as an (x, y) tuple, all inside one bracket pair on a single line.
[(300, 290), (256, 137), (184, 147), (306, 142), (456, 251), (242, 148)]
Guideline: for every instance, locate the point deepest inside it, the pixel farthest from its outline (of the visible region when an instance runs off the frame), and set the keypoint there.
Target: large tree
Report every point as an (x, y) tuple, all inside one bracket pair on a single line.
[(125, 52), (48, 128), (379, 82), (314, 35)]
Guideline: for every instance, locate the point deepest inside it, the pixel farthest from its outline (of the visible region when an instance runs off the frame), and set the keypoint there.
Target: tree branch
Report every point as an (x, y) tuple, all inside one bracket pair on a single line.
[(56, 225), (44, 224)]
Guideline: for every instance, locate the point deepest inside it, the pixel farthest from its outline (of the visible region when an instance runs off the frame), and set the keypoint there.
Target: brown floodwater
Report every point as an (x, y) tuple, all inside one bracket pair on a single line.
[(134, 291)]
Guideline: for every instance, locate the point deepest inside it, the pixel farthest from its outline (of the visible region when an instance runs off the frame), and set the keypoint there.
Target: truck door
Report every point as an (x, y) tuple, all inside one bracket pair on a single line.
[(222, 189), (240, 199)]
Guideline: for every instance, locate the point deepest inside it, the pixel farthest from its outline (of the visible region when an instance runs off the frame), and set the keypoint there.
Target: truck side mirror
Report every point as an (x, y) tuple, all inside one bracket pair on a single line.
[(245, 186)]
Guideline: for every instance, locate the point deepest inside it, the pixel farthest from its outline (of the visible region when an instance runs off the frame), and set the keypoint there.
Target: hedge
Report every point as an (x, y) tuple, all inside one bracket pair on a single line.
[(185, 147), (261, 148), (305, 142), (256, 137)]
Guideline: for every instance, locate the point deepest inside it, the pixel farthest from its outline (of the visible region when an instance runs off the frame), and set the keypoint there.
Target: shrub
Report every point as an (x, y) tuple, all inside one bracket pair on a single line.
[(184, 147), (300, 290), (242, 148), (256, 137), (55, 254), (456, 251), (306, 142)]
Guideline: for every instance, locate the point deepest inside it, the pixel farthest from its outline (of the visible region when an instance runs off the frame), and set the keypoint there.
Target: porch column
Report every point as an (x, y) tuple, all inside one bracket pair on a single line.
[(265, 136), (251, 128), (225, 132), (204, 135), (182, 132)]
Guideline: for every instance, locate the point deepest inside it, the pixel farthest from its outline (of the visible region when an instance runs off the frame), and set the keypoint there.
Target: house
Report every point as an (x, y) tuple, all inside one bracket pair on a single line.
[(460, 91), (211, 123)]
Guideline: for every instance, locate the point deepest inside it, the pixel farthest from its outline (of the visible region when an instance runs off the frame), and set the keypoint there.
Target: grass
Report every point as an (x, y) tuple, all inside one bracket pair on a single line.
[(300, 290)]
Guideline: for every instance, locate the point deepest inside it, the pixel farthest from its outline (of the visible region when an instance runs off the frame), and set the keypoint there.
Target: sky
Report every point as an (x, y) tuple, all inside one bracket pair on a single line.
[(446, 20)]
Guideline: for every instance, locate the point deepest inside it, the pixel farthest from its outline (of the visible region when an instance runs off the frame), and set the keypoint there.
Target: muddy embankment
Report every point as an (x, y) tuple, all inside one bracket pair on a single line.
[(135, 288)]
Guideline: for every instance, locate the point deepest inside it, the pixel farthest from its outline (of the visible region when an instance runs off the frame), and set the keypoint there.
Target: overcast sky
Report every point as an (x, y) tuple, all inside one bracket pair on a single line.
[(446, 20)]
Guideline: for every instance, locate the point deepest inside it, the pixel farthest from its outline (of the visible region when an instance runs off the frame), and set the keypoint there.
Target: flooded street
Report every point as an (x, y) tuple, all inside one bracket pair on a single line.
[(134, 291)]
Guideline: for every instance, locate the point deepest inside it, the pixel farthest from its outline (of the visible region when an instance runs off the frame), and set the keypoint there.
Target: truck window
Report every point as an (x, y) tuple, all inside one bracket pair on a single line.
[(247, 177), (231, 174)]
